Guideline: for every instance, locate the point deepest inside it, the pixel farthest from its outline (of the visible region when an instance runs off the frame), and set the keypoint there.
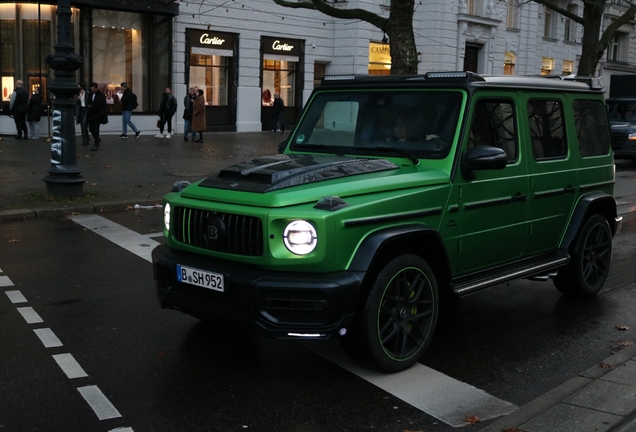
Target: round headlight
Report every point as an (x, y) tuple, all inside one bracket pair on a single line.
[(300, 237), (166, 216)]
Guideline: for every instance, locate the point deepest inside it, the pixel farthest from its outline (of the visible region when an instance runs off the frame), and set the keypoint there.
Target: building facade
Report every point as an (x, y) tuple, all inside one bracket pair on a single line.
[(242, 53)]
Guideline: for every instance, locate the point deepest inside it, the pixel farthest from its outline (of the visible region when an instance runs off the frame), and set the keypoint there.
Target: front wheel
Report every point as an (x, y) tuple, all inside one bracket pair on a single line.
[(586, 273), (396, 324)]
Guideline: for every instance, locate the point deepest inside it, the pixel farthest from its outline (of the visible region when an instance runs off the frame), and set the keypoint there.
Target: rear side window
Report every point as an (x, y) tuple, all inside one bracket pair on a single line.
[(591, 127), (493, 124), (547, 134)]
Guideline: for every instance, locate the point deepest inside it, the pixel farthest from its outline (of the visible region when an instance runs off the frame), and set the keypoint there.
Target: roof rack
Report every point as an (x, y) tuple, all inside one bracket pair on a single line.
[(595, 83)]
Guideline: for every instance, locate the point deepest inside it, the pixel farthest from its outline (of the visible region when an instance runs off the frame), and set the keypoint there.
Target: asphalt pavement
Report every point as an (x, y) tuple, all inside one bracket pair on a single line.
[(126, 172)]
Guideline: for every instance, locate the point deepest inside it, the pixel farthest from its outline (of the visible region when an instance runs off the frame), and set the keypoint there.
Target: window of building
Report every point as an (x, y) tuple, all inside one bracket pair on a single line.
[(549, 29), (279, 77), (512, 15), (117, 48), (568, 67), (618, 46), (570, 26), (591, 127), (545, 118), (509, 63), (210, 73), (547, 65), (379, 59)]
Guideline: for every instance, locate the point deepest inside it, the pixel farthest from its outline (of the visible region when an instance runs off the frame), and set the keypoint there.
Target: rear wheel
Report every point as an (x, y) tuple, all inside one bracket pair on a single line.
[(586, 273), (396, 324)]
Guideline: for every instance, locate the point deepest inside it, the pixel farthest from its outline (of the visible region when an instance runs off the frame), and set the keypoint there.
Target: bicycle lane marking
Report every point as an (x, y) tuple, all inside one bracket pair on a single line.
[(97, 401), (426, 389)]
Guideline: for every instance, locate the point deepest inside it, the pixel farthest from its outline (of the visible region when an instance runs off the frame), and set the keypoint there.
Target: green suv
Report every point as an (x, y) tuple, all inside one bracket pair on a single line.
[(389, 193)]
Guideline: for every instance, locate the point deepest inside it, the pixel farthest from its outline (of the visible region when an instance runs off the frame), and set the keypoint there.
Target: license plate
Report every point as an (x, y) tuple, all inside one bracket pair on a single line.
[(202, 278)]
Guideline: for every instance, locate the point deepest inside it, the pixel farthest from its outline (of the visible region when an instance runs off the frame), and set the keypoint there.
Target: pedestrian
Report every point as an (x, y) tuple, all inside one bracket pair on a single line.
[(19, 106), (81, 112), (188, 103), (34, 113), (97, 114), (128, 104), (167, 108), (279, 104), (198, 116)]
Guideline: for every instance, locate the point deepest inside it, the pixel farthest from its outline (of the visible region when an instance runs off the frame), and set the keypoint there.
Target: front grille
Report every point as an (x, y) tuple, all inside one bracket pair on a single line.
[(618, 139), (243, 235), (295, 307)]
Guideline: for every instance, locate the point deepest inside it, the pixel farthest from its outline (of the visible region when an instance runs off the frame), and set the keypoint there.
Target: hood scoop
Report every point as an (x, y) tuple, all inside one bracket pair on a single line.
[(269, 173)]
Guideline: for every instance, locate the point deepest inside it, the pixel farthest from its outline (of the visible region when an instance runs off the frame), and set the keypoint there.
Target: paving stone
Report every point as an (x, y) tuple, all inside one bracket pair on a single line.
[(606, 396), (564, 417)]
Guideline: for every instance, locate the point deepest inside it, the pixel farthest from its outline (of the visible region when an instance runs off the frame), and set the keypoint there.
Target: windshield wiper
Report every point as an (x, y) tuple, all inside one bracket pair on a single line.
[(398, 150)]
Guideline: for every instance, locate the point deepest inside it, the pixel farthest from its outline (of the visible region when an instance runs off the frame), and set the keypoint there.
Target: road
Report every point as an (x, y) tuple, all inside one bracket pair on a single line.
[(85, 346)]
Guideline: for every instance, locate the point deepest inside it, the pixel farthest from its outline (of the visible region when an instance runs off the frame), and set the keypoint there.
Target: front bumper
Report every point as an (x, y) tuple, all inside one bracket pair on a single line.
[(275, 304)]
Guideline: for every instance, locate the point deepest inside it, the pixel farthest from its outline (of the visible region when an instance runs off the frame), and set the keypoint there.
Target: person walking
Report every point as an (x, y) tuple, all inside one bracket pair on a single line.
[(19, 106), (34, 113), (167, 108), (198, 116), (97, 114), (128, 104), (81, 112), (279, 104), (188, 103)]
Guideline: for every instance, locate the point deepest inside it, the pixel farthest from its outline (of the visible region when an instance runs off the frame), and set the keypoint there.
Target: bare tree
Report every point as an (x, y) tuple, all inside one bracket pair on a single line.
[(398, 27), (595, 41)]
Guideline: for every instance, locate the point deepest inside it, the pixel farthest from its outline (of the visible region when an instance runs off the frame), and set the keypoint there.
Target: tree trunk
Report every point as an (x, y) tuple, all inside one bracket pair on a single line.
[(399, 28), (592, 48)]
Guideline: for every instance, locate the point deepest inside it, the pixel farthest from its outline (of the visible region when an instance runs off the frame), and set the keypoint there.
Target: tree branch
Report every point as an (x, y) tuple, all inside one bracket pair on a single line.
[(324, 7), (551, 4), (616, 24)]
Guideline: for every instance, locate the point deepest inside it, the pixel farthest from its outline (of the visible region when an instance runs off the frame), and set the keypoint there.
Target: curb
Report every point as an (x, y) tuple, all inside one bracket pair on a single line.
[(565, 390), (42, 213)]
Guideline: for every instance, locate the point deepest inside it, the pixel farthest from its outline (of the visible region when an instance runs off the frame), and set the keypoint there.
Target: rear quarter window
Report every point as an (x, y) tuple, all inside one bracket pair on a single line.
[(592, 131)]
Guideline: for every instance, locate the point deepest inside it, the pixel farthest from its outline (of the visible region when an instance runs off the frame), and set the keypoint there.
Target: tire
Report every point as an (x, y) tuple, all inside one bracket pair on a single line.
[(396, 324), (589, 266)]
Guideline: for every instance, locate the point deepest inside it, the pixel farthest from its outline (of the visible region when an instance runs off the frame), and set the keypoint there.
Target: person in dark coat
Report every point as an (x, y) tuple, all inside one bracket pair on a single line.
[(19, 106), (34, 114), (279, 104), (128, 104), (188, 103), (97, 114), (81, 112), (167, 108), (198, 116)]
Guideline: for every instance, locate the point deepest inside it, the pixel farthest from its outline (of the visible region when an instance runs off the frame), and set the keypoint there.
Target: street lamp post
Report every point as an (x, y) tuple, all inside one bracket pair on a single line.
[(64, 175)]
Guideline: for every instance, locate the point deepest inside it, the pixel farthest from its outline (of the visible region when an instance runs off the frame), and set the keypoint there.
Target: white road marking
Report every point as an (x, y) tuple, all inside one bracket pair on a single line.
[(69, 366), (16, 297), (122, 429), (5, 281), (30, 315), (130, 240), (438, 395), (98, 402), (48, 338)]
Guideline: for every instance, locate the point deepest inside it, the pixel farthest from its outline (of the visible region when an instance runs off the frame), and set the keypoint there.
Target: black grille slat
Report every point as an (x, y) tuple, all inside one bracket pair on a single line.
[(296, 307), (244, 234)]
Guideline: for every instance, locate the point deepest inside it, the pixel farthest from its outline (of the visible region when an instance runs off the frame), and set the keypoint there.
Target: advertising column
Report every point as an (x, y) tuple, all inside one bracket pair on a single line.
[(283, 74), (212, 67)]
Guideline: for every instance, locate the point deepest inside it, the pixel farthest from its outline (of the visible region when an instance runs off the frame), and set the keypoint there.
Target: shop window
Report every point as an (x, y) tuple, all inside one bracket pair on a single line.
[(279, 77), (509, 63), (210, 74), (117, 54), (7, 56), (379, 59), (567, 68), (547, 64)]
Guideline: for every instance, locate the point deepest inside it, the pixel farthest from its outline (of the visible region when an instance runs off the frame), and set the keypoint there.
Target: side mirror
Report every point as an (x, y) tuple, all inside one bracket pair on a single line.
[(483, 158)]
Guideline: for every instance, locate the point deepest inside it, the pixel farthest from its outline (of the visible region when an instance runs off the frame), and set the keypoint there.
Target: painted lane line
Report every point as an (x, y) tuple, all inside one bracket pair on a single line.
[(30, 315), (5, 281), (48, 338), (69, 366), (16, 297), (122, 429), (130, 240), (98, 402), (438, 395)]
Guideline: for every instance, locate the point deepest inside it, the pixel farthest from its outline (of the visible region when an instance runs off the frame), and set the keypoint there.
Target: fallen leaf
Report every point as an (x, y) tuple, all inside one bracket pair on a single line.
[(13, 240), (510, 430), (93, 184), (75, 213), (130, 207), (472, 420), (621, 328), (107, 166), (625, 343), (605, 365)]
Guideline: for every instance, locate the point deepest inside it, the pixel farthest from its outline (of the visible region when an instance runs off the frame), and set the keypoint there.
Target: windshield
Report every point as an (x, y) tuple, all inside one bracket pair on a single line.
[(622, 111), (405, 123)]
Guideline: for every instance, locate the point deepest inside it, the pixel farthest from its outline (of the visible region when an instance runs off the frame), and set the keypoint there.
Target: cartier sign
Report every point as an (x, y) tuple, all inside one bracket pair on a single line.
[(205, 39), (277, 45), (210, 39)]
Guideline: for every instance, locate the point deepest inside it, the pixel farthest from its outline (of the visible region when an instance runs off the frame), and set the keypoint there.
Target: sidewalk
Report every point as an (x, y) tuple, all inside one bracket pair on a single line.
[(125, 172)]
